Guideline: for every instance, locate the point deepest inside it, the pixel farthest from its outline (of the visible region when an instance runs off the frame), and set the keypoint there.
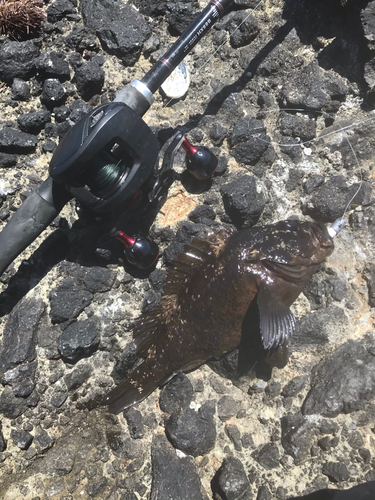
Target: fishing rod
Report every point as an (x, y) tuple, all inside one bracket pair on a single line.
[(109, 160)]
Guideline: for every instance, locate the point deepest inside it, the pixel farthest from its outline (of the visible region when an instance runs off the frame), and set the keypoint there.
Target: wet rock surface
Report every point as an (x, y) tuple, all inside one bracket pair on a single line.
[(286, 103)]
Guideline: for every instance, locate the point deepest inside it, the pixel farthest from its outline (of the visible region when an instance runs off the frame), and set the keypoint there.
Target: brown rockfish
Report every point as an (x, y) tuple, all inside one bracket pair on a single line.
[(208, 291)]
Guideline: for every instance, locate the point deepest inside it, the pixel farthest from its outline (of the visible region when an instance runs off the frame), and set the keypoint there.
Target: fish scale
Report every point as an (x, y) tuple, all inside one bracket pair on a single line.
[(210, 288)]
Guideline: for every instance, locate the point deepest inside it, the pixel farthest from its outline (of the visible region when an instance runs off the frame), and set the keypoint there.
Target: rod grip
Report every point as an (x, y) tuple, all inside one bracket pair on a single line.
[(39, 209)]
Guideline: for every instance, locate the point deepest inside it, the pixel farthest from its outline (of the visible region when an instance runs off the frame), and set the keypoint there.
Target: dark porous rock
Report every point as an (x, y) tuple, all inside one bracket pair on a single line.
[(17, 60), (53, 93), (59, 9), (135, 423), (296, 126), (217, 134), (34, 122), (21, 378), (295, 386), (19, 334), (59, 396), (312, 88), (202, 212), (370, 279), (42, 439), (177, 394), (59, 460), (227, 407), (249, 140), (242, 27), (78, 110), (61, 113), (10, 406), (79, 340), (298, 439), (22, 439), (291, 147), (7, 160), (48, 146), (77, 377), (3, 443), (341, 382), (81, 39), (331, 199), (183, 237), (336, 471), (181, 16), (173, 478), (234, 434), (20, 90), (294, 179), (52, 64), (231, 482), (122, 445), (368, 24), (96, 279), (89, 79), (327, 426), (96, 488), (121, 29), (264, 493), (151, 7), (321, 327), (242, 202), (68, 300), (268, 456), (16, 142), (355, 440), (369, 75), (157, 279), (313, 183), (192, 432)]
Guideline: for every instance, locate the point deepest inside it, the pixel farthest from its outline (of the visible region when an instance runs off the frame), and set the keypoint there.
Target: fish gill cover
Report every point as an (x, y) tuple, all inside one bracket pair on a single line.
[(286, 104)]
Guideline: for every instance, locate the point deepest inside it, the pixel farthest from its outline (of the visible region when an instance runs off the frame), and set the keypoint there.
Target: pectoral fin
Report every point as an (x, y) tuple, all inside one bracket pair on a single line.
[(277, 322)]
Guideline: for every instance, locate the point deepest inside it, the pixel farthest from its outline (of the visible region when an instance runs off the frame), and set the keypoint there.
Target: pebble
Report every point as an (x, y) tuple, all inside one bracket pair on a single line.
[(22, 439), (336, 471), (268, 456), (177, 394), (231, 482), (79, 340), (17, 60), (68, 300)]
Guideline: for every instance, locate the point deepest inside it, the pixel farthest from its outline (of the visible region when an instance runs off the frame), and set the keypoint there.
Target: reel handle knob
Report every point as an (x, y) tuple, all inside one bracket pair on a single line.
[(200, 161), (141, 252)]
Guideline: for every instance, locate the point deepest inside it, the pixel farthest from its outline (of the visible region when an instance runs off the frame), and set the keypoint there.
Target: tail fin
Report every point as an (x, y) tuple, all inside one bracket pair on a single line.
[(132, 390)]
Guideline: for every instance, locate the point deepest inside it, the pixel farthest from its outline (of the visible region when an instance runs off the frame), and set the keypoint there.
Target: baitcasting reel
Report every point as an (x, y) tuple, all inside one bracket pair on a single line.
[(111, 157)]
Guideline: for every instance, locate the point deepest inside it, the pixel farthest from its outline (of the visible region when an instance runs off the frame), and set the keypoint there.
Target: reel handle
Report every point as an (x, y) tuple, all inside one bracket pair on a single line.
[(141, 252)]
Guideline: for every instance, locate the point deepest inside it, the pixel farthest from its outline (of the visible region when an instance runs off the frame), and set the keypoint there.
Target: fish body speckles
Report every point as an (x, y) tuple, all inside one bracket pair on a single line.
[(208, 291)]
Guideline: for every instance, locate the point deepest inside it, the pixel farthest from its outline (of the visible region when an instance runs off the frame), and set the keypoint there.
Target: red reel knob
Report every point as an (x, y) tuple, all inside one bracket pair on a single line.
[(200, 161), (139, 251)]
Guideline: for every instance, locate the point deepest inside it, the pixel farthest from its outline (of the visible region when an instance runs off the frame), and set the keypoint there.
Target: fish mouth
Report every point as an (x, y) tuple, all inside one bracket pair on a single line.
[(319, 232)]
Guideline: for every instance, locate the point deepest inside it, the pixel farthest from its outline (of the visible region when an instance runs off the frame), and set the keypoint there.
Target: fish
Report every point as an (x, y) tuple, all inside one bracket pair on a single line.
[(208, 290)]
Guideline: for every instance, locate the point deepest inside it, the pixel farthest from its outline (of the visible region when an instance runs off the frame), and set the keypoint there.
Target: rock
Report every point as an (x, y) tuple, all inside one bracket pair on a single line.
[(59, 396), (7, 160), (173, 478), (268, 456), (78, 110), (77, 377), (19, 334), (264, 493), (59, 9), (341, 382), (52, 64), (120, 28), (295, 386), (22, 439), (297, 439), (10, 406), (123, 446), (48, 146), (227, 407), (322, 326), (313, 182), (242, 202), (134, 420), (61, 113), (96, 488), (3, 444), (16, 142), (234, 434), (183, 237), (21, 378), (89, 79), (242, 28), (181, 16), (42, 439), (17, 60), (20, 90), (82, 39), (59, 460), (202, 212), (336, 471), (231, 482), (249, 140), (312, 88), (177, 394), (296, 126), (34, 122), (331, 199), (53, 93), (294, 179), (151, 7), (79, 340), (68, 300), (217, 134), (368, 23), (192, 432), (370, 279), (97, 279), (291, 147)]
